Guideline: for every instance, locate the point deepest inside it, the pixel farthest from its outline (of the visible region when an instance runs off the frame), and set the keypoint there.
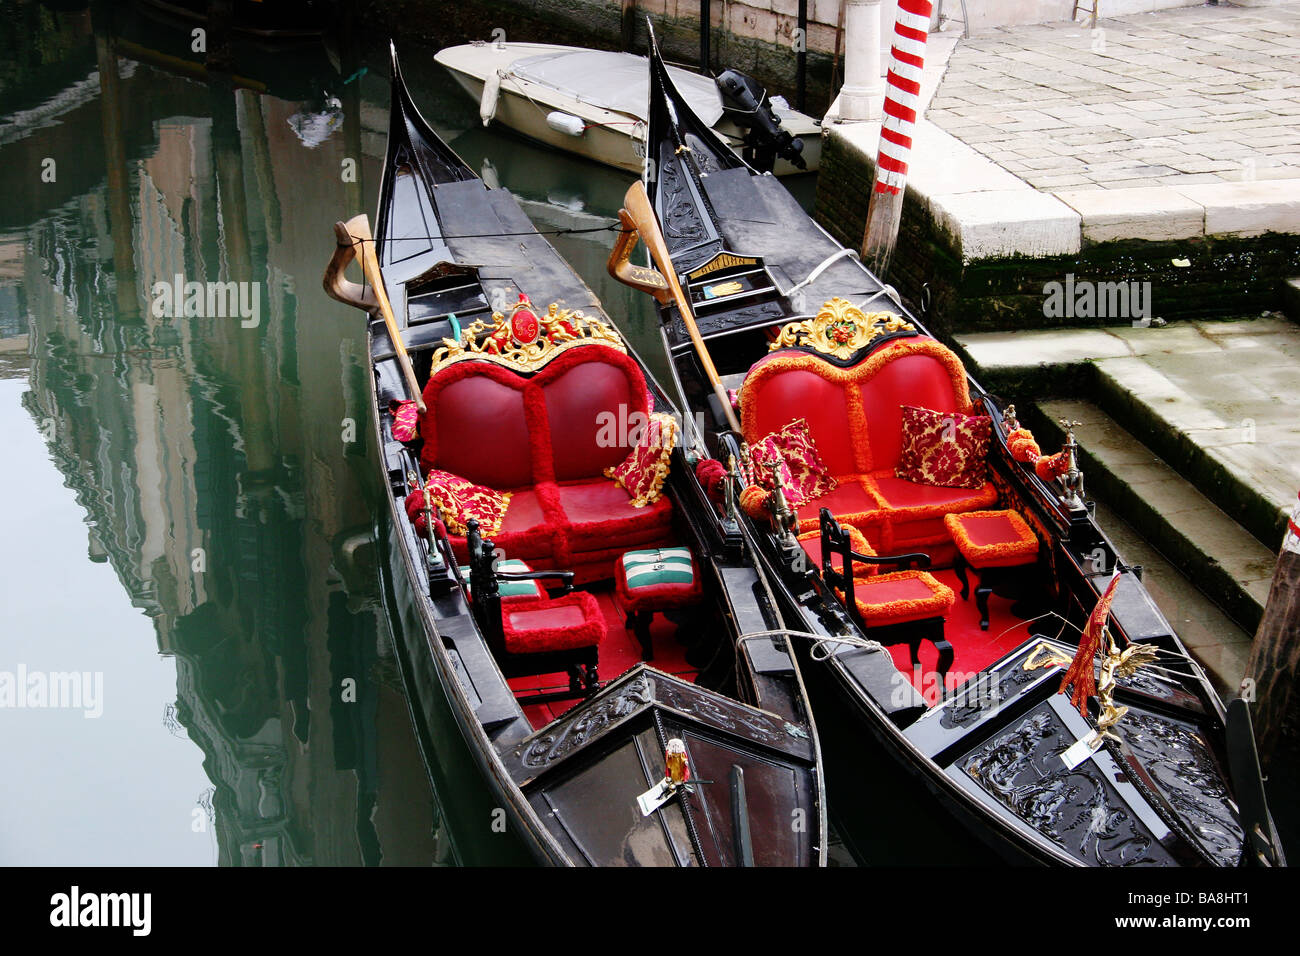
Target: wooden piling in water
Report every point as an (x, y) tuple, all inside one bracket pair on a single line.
[(1274, 664)]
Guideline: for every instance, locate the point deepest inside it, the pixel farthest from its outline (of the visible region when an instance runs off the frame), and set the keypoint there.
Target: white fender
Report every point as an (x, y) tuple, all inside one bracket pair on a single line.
[(487, 105), (566, 123)]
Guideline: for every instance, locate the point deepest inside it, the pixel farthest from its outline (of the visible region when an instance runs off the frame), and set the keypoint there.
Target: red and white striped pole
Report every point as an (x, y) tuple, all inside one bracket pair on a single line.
[(901, 111)]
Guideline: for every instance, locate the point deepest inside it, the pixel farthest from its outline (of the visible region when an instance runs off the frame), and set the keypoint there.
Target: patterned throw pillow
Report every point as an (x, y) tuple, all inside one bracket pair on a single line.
[(642, 473), (459, 499), (406, 420), (791, 452), (944, 448)]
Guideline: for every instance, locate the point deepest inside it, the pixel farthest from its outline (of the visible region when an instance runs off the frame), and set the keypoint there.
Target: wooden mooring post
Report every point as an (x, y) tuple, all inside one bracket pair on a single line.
[(1274, 666), (901, 111)]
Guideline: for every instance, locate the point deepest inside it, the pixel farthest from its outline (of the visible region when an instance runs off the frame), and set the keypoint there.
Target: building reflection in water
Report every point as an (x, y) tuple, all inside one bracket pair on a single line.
[(212, 459)]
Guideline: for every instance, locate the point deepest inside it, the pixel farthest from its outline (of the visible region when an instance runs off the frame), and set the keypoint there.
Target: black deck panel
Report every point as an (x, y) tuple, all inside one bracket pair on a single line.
[(759, 217), (519, 260), (641, 689)]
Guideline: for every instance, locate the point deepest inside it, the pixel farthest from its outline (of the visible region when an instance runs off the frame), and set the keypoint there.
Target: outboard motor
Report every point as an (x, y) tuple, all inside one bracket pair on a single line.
[(746, 104)]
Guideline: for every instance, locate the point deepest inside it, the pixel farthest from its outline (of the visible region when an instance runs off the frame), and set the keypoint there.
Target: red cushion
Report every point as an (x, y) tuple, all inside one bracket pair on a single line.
[(776, 399), (849, 496), (643, 472), (944, 448), (459, 501), (539, 625), (583, 401), (992, 539), (406, 419), (901, 597), (525, 533), (792, 453), (594, 502), (600, 515), (899, 494), (920, 380)]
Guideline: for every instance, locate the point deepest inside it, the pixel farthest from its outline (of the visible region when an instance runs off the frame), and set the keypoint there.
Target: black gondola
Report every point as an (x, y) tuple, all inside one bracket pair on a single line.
[(492, 628), (867, 561)]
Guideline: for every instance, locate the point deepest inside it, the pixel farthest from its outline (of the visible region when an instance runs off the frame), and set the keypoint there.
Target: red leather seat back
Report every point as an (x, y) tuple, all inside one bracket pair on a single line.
[(853, 413), (475, 426), (918, 380), (506, 430), (593, 408), (804, 392)]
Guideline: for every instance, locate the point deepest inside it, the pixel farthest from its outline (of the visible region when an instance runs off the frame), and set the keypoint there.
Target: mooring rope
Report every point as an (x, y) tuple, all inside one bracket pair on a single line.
[(611, 227), (818, 650)]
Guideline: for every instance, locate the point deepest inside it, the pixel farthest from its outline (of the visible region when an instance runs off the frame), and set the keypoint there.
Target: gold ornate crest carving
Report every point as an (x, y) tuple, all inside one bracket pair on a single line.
[(523, 340), (840, 329)]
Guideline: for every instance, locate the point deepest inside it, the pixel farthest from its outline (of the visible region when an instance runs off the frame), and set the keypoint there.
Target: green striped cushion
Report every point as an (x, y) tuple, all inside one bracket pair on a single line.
[(511, 588), (661, 566)]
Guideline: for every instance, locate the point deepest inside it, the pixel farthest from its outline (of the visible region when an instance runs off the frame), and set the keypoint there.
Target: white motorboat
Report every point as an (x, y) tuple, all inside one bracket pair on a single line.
[(593, 103)]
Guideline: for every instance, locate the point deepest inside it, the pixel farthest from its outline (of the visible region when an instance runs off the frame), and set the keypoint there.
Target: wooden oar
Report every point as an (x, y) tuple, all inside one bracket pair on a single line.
[(636, 204), (356, 233)]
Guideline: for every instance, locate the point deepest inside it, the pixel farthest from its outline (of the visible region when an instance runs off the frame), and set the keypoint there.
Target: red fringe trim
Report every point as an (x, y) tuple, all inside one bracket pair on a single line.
[(710, 473)]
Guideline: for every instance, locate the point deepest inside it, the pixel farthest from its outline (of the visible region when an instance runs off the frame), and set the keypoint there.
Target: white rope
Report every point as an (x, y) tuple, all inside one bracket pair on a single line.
[(818, 651), (885, 289), (1156, 668), (822, 267)]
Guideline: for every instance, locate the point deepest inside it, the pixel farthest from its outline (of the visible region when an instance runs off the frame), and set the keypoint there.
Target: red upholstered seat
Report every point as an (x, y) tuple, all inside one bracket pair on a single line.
[(993, 539), (901, 597), (547, 438), (600, 515), (850, 499), (543, 625), (855, 417), (917, 511)]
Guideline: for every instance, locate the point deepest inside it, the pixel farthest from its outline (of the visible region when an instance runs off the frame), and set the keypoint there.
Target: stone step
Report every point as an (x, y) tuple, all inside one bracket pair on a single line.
[(1220, 557), (1215, 401), (1218, 642)]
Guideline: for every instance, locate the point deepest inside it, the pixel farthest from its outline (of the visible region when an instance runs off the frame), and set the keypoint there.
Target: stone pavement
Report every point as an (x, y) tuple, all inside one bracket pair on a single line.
[(1191, 434), (1180, 97), (1042, 140)]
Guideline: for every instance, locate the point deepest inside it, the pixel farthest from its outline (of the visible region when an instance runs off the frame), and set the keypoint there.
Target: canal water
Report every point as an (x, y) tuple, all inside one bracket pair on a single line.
[(198, 663)]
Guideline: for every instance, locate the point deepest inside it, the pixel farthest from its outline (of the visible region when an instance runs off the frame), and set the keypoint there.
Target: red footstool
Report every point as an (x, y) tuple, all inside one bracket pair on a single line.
[(998, 545), (658, 579)]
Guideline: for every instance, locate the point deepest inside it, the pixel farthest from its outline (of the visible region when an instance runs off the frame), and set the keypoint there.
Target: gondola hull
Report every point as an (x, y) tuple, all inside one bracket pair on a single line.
[(804, 337), (556, 772)]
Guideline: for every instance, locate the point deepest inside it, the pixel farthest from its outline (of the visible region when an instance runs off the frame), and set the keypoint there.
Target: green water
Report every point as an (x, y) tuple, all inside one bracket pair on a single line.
[(186, 508)]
